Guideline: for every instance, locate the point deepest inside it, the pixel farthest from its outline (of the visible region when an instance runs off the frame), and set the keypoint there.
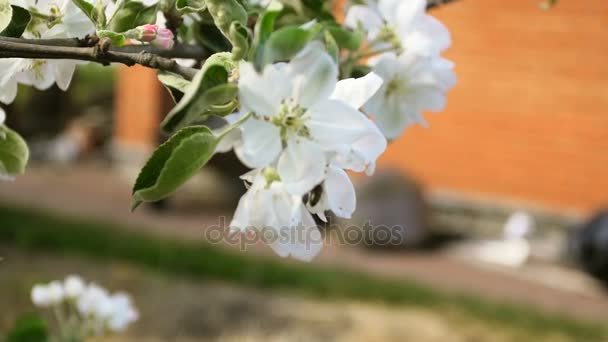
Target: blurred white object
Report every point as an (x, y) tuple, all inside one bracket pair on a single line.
[(98, 311), (514, 249), (123, 312), (518, 225), (73, 286), (510, 253)]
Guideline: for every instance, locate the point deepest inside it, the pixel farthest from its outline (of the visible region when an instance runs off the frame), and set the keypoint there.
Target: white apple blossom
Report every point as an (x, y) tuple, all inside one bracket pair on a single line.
[(303, 119), (8, 83), (40, 73), (45, 295), (61, 15), (2, 116), (93, 301), (105, 311), (122, 312), (338, 195), (74, 286), (412, 84), (402, 23), (280, 217)]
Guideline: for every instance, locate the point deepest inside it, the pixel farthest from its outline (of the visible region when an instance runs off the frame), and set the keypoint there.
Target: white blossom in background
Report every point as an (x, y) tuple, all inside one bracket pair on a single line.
[(94, 309), (2, 116), (74, 286), (402, 23), (416, 78), (411, 86), (48, 295)]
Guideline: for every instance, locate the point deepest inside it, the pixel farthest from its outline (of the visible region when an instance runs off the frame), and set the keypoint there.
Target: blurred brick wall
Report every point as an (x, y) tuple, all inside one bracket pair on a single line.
[(138, 108), (529, 116)]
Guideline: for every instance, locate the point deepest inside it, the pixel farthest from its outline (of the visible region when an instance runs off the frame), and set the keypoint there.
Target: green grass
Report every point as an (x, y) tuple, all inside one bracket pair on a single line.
[(33, 230)]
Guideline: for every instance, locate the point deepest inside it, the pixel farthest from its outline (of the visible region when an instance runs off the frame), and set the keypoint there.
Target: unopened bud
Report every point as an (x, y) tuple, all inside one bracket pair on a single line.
[(148, 33), (164, 39)]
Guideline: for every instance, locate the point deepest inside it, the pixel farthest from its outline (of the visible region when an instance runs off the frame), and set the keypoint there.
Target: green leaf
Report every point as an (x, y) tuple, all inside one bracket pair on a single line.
[(332, 47), (117, 39), (210, 37), (239, 36), (14, 153), (18, 22), (346, 39), (194, 105), (173, 163), (225, 12), (87, 8), (6, 14), (29, 328), (263, 30), (286, 42), (190, 6), (132, 14), (231, 18), (175, 84)]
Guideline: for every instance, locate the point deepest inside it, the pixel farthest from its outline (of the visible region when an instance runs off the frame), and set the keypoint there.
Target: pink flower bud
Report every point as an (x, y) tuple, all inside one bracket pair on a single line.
[(164, 39), (148, 33)]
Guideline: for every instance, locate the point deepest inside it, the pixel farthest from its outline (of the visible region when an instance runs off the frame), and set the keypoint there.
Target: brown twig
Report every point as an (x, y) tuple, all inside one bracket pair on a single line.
[(22, 48)]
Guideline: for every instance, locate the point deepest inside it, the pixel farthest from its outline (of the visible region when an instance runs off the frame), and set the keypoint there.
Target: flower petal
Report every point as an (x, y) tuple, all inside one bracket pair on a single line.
[(261, 143), (302, 242), (301, 165), (63, 71), (335, 124), (429, 37), (262, 94), (341, 198), (357, 91), (314, 75), (364, 152), (388, 113), (365, 16), (402, 14)]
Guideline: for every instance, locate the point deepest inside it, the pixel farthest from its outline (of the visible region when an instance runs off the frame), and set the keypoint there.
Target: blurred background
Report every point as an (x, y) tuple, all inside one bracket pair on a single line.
[(500, 206)]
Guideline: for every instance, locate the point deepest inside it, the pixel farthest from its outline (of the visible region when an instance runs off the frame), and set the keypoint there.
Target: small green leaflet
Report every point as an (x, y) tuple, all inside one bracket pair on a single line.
[(174, 163)]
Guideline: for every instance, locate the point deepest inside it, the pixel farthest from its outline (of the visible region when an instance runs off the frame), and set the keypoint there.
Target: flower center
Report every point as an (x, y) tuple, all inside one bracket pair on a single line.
[(36, 68), (291, 118), (395, 87)]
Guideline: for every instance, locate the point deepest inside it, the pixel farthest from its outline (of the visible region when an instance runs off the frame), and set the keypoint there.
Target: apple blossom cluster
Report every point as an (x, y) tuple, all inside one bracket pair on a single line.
[(416, 77), (299, 139), (306, 98), (84, 310)]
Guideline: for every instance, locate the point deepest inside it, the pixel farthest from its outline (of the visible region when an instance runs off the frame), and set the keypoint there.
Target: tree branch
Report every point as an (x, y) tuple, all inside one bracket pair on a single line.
[(19, 48), (178, 51)]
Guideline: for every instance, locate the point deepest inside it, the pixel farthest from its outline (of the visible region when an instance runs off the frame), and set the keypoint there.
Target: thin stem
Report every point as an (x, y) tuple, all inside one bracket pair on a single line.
[(234, 125), (374, 53), (59, 317), (13, 49)]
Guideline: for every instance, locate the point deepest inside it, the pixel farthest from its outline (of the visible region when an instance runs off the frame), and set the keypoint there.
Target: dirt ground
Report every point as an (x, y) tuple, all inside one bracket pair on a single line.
[(97, 193), (179, 309)]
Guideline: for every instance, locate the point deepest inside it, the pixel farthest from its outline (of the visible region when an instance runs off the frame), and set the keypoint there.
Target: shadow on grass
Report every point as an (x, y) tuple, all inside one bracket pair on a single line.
[(34, 230)]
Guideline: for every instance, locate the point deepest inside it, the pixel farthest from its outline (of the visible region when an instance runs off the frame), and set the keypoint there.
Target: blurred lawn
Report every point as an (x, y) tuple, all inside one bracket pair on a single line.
[(32, 230)]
